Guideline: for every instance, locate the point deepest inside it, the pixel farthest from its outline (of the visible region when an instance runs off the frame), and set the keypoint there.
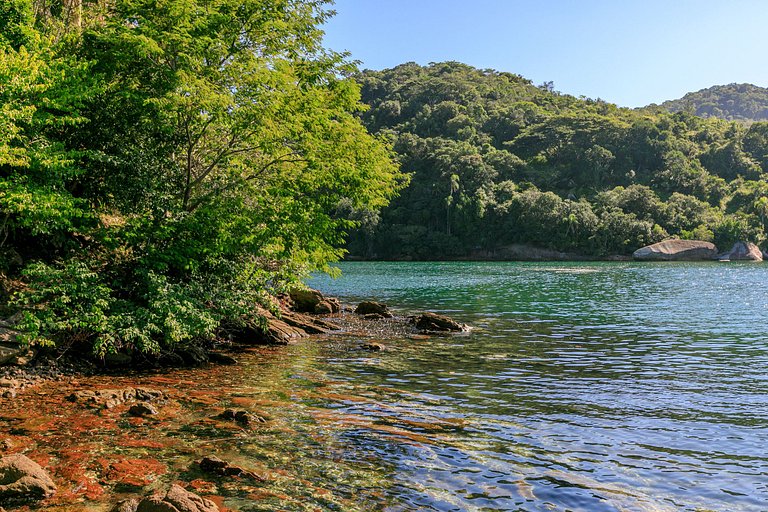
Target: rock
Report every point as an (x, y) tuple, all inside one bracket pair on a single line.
[(142, 409), (305, 301), (373, 347), (328, 306), (369, 307), (432, 322), (193, 355), (22, 479), (743, 251), (127, 505), (375, 316), (118, 359), (8, 393), (109, 398), (281, 331), (219, 358), (215, 465), (242, 417), (677, 250), (177, 499)]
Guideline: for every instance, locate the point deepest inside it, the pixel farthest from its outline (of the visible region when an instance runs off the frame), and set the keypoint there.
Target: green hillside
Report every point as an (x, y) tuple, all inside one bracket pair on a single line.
[(496, 160), (733, 102)]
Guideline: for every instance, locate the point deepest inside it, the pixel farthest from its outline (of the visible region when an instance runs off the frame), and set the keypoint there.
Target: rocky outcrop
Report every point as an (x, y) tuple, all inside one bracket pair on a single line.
[(432, 322), (743, 251), (312, 301), (22, 480), (677, 250), (281, 331), (372, 309), (176, 499)]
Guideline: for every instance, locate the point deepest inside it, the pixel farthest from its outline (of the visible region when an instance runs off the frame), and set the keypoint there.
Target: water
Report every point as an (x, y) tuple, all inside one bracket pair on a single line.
[(583, 387), (596, 386)]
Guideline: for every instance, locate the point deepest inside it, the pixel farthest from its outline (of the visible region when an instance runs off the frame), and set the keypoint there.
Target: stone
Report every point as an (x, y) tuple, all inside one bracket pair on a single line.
[(677, 250), (305, 300), (193, 355), (142, 409), (22, 479), (215, 465), (242, 417), (177, 499), (117, 360), (109, 398), (129, 505), (219, 358), (432, 322), (369, 307), (373, 347), (743, 251), (281, 331)]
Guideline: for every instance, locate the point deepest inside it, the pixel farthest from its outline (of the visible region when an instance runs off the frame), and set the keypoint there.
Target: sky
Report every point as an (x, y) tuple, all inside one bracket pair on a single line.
[(628, 52)]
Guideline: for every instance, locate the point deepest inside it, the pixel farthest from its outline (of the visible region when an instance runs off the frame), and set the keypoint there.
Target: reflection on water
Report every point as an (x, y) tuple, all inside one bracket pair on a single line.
[(589, 387)]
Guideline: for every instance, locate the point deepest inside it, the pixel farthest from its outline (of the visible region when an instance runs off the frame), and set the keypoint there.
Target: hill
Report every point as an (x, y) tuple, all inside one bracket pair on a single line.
[(496, 160), (732, 102)]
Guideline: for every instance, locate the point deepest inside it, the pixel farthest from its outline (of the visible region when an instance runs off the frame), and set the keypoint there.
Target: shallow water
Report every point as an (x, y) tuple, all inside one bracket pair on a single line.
[(589, 387)]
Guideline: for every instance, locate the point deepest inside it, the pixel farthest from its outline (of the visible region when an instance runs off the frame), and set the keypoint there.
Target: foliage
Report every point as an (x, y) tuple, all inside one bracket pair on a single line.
[(733, 102), (165, 168), (496, 160)]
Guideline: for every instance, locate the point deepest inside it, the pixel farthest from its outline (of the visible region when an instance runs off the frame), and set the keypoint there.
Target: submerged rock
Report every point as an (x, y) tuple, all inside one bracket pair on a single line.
[(217, 466), (142, 409), (373, 347), (743, 251), (22, 479), (109, 398), (432, 322), (176, 499), (370, 307), (677, 250), (219, 358), (244, 418)]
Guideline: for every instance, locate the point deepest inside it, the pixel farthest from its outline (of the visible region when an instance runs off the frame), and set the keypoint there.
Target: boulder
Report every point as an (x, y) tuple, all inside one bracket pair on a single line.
[(109, 398), (677, 250), (22, 479), (432, 322), (177, 499), (312, 301), (743, 251), (305, 300), (370, 307), (373, 347), (244, 418)]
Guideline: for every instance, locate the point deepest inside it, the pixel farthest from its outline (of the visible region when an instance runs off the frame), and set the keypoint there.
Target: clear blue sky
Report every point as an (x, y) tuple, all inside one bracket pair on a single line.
[(629, 52)]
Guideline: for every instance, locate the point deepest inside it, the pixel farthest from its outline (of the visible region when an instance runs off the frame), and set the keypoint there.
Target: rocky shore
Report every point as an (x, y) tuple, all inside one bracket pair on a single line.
[(143, 395)]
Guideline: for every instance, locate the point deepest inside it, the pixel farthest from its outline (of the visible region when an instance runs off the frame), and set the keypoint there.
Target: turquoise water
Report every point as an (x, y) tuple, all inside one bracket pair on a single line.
[(585, 386)]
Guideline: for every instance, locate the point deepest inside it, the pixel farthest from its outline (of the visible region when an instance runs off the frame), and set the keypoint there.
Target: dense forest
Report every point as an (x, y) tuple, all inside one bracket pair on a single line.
[(167, 168), (496, 160), (733, 102)]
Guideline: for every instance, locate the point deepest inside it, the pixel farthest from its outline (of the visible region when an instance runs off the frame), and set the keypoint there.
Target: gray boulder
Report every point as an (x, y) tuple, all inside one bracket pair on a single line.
[(743, 251), (22, 479), (677, 250)]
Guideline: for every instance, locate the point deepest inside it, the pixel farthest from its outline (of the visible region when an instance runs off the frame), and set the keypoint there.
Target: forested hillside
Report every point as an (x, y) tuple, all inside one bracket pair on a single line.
[(496, 160), (733, 102), (166, 168)]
